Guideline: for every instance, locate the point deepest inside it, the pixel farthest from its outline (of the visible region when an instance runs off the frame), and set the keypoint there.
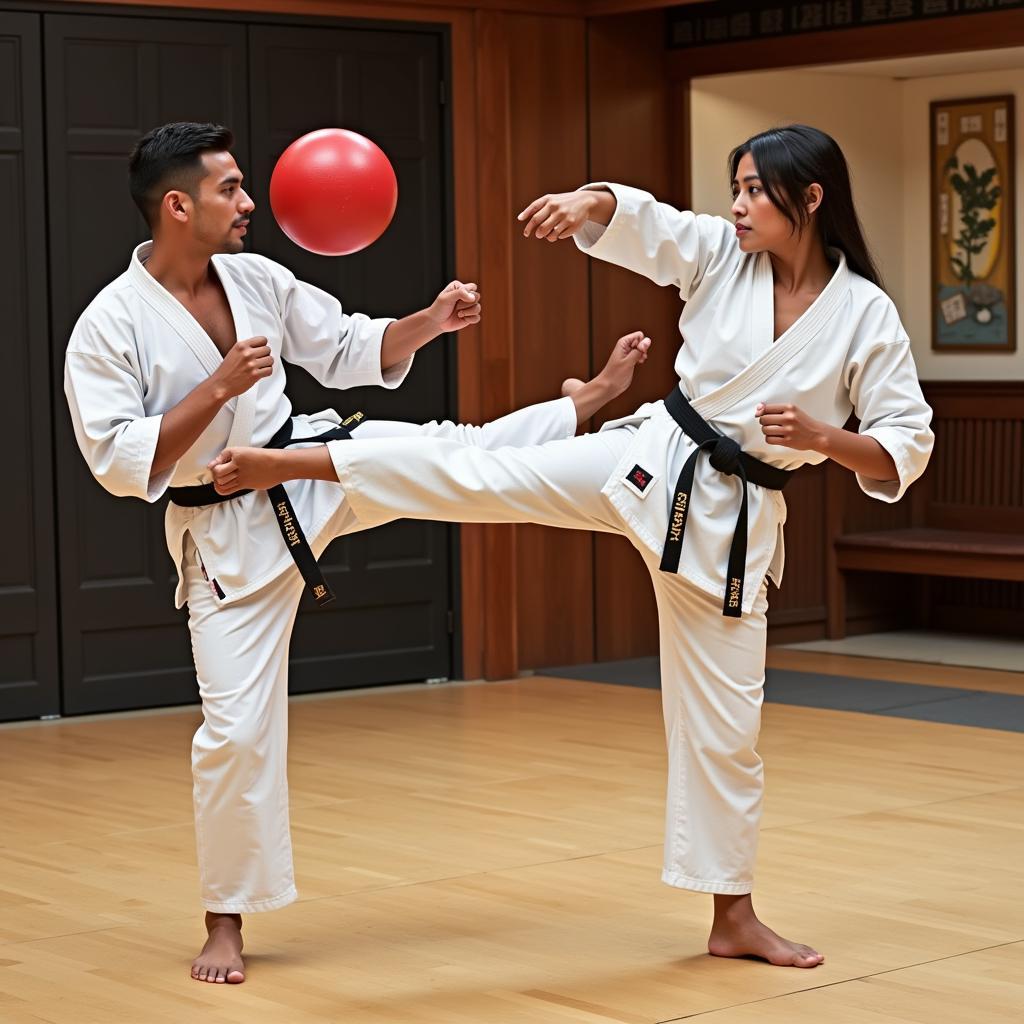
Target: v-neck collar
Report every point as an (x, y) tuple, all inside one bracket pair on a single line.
[(185, 325), (770, 359), (764, 277), (178, 317)]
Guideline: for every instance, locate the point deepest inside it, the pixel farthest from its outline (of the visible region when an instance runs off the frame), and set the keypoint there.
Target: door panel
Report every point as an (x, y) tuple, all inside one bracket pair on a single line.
[(28, 591), (108, 81), (390, 621)]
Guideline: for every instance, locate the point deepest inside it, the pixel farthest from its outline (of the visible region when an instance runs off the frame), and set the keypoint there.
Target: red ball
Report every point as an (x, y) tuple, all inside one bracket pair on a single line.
[(333, 192)]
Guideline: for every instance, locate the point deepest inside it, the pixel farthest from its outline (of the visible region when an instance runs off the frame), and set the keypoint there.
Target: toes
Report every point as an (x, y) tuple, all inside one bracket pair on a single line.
[(235, 977), (808, 958)]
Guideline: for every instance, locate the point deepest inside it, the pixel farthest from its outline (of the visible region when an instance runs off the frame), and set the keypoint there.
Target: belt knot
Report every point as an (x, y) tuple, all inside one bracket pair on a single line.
[(725, 455)]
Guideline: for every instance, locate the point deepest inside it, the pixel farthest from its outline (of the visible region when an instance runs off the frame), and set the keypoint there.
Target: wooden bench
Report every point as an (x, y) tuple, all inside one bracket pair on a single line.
[(966, 514)]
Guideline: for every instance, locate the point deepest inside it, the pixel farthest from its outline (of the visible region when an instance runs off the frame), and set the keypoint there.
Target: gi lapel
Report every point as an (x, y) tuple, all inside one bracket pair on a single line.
[(245, 409), (198, 341), (787, 347), (172, 311)]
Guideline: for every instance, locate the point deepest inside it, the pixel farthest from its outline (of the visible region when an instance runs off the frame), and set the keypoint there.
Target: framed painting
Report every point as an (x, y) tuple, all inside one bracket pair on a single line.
[(972, 292)]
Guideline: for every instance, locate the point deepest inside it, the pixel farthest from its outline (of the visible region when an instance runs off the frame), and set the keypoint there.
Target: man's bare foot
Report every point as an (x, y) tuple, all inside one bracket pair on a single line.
[(737, 932), (221, 958), (630, 351)]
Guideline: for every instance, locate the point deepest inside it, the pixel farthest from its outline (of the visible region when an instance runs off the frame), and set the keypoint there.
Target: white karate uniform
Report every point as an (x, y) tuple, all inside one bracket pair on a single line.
[(134, 354), (848, 352)]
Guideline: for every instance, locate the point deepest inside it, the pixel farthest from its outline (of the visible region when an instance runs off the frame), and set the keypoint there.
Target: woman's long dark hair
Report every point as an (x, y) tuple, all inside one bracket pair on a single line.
[(790, 159)]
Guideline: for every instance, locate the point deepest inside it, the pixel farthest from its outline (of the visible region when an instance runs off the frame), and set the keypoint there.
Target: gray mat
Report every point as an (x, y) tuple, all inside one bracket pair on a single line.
[(837, 693)]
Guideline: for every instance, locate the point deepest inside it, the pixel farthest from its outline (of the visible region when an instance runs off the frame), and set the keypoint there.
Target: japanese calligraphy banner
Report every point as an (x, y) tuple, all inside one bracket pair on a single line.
[(732, 21)]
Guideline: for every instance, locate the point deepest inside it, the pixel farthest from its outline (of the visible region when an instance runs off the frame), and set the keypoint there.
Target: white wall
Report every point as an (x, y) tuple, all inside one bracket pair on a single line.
[(861, 114), (882, 126)]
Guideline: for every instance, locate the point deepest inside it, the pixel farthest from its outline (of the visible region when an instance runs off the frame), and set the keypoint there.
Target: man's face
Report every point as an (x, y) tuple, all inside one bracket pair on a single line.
[(222, 207)]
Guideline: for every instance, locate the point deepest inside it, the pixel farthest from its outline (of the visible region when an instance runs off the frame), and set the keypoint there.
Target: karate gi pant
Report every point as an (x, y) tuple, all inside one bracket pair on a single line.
[(712, 667), (239, 753)]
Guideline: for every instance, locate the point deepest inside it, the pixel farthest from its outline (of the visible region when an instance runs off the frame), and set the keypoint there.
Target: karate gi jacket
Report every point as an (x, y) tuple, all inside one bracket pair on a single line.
[(848, 353), (136, 352)]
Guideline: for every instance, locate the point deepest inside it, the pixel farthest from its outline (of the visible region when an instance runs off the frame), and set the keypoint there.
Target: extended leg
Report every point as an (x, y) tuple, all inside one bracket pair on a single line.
[(556, 484)]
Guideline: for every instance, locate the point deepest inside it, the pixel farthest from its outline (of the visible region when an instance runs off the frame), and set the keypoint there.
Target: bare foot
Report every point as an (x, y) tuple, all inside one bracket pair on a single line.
[(737, 932), (221, 958), (629, 352)]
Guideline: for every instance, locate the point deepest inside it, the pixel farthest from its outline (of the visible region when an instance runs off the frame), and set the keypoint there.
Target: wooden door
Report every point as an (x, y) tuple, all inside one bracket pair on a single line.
[(108, 81), (391, 618), (28, 583)]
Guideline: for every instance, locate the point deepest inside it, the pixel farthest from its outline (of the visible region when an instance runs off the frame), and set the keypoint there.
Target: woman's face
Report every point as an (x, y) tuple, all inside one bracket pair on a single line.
[(760, 224)]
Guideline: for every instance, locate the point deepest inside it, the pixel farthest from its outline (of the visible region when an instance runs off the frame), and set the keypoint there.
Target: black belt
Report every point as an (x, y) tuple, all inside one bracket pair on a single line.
[(727, 457), (287, 520)]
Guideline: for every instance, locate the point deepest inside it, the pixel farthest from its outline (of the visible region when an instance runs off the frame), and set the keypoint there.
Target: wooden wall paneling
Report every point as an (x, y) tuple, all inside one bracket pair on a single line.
[(904, 39), (835, 585), (633, 131), (797, 610), (974, 481), (467, 192), (874, 601), (29, 596), (859, 603), (398, 10), (978, 460), (550, 329), (499, 579)]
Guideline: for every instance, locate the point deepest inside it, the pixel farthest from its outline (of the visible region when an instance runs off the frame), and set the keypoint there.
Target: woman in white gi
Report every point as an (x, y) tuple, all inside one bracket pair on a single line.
[(786, 332), (182, 355)]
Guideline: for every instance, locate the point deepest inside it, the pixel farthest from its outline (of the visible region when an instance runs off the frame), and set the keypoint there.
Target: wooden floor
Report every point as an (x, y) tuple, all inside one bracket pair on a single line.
[(489, 854), (929, 674)]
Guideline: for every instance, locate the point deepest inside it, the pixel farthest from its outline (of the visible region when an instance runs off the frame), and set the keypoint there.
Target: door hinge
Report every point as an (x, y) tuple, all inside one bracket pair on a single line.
[(451, 621), (442, 88)]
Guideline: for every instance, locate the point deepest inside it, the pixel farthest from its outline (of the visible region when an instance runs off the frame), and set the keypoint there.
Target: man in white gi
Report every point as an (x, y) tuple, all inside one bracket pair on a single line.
[(787, 332), (180, 356)]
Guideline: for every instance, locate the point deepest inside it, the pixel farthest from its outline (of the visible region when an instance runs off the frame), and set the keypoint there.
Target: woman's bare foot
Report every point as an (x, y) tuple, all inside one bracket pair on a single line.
[(221, 958), (630, 351), (737, 932)]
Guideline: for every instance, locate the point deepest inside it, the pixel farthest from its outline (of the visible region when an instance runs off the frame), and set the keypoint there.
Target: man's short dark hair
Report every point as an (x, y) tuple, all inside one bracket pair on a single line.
[(170, 157)]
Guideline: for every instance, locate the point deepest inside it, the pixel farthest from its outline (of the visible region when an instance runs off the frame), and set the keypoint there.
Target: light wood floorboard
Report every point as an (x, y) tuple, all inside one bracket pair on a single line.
[(956, 676), (491, 854)]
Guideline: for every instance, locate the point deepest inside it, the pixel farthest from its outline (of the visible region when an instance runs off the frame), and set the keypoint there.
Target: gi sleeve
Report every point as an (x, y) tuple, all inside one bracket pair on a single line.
[(113, 431), (341, 350), (887, 399), (669, 246)]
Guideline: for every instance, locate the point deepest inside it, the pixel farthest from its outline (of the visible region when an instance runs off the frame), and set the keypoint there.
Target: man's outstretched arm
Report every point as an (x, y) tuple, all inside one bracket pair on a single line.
[(457, 306)]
